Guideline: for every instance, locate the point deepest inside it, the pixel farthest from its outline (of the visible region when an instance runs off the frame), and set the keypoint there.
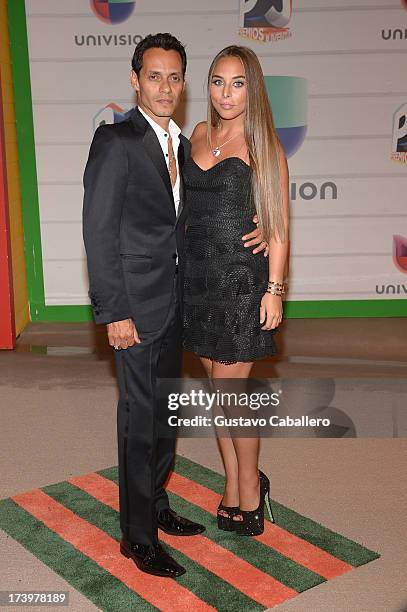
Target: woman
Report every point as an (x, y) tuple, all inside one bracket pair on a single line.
[(233, 298)]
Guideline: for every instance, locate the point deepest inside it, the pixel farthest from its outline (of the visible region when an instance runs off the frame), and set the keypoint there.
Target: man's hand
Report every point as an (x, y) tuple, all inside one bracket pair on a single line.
[(256, 237), (122, 334)]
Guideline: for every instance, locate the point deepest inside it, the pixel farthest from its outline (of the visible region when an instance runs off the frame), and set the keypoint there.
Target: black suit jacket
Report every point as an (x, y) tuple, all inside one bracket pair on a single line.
[(130, 228)]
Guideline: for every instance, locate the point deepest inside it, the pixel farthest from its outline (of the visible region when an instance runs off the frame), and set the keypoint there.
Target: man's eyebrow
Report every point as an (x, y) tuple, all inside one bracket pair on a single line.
[(155, 71), (239, 76)]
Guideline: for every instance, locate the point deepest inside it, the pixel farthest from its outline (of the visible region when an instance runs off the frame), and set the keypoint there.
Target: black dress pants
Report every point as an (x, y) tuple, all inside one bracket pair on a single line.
[(145, 459)]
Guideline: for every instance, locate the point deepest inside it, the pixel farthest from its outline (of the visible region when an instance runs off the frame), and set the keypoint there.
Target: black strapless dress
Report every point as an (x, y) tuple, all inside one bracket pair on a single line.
[(224, 281)]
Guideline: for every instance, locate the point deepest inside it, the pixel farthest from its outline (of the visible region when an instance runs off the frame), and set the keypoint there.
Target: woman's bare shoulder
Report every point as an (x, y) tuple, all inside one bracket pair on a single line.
[(199, 131)]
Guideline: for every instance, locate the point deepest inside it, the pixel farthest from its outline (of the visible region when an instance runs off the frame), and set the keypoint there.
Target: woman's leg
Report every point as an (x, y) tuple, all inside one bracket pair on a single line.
[(240, 455), (227, 452), (207, 365)]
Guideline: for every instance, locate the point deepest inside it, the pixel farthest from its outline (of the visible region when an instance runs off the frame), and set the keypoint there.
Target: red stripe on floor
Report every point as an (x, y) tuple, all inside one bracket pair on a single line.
[(239, 573), (164, 593), (286, 543)]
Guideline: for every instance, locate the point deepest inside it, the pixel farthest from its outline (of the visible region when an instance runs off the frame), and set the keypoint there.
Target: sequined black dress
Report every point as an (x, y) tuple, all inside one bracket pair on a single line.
[(224, 281)]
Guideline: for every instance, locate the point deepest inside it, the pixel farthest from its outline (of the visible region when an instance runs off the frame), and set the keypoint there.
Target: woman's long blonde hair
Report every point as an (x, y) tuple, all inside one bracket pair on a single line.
[(261, 139)]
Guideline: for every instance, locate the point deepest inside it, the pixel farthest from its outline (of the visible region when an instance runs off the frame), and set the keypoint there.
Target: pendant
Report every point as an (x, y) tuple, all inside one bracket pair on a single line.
[(216, 152)]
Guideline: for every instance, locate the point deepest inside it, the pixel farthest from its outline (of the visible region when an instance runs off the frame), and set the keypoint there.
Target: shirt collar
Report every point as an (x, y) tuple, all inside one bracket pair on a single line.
[(173, 128)]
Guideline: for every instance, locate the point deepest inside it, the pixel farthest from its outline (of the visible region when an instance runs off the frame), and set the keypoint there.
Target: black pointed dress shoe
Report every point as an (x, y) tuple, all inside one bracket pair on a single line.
[(152, 559), (173, 524)]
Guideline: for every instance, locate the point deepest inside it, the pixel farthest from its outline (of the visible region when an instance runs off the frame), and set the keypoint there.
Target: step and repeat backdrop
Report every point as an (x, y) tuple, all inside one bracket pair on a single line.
[(335, 72)]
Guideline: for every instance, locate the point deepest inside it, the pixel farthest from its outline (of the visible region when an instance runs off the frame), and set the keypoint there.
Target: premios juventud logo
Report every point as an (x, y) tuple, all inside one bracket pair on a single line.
[(112, 11), (265, 20), (111, 113), (399, 139)]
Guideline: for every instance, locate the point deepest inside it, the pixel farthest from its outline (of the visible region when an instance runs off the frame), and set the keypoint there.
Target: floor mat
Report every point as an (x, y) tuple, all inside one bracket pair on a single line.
[(73, 528)]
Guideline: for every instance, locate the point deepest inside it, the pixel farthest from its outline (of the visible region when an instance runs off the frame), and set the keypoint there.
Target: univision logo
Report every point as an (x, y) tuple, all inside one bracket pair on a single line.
[(112, 11), (400, 261), (396, 33), (107, 40), (289, 100), (265, 20), (400, 252)]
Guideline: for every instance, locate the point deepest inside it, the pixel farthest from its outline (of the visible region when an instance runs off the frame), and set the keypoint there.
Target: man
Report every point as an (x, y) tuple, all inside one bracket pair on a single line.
[(134, 223)]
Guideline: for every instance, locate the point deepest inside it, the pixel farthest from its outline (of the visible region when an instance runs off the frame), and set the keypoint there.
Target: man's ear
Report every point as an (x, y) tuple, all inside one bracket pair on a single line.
[(134, 80)]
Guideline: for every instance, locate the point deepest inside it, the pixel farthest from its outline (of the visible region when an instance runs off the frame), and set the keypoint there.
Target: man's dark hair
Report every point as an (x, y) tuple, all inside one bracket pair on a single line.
[(165, 41)]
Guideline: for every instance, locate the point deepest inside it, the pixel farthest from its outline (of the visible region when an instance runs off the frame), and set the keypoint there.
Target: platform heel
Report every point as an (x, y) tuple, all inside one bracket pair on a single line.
[(253, 520)]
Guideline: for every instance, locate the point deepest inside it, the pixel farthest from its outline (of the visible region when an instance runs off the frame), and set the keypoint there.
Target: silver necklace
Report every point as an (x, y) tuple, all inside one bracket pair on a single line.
[(216, 150)]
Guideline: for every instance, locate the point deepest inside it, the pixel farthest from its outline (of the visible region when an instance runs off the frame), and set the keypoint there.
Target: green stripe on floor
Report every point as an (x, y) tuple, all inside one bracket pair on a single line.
[(104, 590), (200, 581), (256, 553), (334, 543), (111, 595)]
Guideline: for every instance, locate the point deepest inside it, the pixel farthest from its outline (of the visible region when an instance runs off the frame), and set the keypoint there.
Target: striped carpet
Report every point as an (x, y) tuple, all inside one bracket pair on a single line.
[(73, 528)]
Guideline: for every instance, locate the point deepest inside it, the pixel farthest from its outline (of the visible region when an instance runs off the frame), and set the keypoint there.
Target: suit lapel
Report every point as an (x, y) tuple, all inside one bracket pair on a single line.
[(154, 150), (181, 160)]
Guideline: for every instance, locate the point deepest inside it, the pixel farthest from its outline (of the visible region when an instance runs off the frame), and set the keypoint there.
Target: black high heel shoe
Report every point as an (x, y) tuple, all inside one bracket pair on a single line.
[(226, 523), (253, 520)]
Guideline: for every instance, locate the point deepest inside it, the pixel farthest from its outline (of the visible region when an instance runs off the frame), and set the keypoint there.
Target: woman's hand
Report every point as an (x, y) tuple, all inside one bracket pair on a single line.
[(256, 237), (271, 311)]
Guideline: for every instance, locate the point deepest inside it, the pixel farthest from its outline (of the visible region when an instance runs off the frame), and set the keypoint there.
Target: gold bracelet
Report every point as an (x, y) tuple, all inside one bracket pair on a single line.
[(276, 288), (275, 291), (276, 285)]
